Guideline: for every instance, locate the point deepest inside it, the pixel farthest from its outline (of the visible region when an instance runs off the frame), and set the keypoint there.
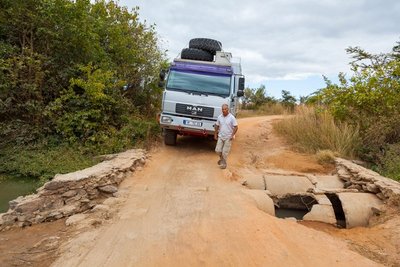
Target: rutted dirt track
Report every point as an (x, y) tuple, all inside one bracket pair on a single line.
[(182, 210)]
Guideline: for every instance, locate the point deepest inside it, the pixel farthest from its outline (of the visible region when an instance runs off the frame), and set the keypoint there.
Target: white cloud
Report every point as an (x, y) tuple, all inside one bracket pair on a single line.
[(278, 39)]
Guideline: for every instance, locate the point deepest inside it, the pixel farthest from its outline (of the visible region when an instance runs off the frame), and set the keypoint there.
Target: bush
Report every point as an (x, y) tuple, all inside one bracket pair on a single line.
[(42, 161), (91, 109), (67, 92), (311, 131), (325, 157), (136, 133), (369, 99), (390, 162)]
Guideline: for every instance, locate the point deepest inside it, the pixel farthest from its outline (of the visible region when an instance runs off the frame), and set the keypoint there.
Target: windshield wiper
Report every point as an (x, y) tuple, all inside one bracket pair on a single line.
[(179, 89), (199, 93), (221, 95)]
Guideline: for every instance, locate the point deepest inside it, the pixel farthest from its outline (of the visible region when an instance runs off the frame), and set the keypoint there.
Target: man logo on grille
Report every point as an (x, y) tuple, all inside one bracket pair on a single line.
[(194, 109)]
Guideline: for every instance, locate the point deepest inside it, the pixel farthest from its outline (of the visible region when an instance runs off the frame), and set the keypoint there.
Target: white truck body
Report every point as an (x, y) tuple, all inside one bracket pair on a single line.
[(194, 93)]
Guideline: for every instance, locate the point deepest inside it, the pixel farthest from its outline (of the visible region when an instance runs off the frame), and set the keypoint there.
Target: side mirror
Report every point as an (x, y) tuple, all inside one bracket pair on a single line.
[(240, 93), (241, 84), (162, 75), (161, 84)]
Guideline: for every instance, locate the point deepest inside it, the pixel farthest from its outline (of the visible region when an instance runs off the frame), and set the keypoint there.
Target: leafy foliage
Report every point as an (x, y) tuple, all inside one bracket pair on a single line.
[(255, 98), (51, 48), (288, 100), (370, 98), (82, 73), (90, 109)]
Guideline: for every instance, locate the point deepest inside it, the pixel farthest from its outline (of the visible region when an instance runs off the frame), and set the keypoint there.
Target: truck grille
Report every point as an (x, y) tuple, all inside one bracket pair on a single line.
[(194, 110)]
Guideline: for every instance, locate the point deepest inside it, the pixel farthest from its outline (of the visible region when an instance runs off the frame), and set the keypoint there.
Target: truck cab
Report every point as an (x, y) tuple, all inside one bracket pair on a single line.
[(194, 92)]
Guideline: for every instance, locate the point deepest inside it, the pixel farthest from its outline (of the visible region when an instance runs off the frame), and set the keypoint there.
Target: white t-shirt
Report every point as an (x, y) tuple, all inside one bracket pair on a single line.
[(226, 125)]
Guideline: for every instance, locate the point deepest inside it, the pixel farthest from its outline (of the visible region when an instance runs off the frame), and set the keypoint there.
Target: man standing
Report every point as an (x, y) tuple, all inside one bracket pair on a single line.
[(225, 130)]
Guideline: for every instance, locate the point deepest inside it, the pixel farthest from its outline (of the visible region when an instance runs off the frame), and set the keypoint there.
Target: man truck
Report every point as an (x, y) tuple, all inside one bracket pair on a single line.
[(198, 82)]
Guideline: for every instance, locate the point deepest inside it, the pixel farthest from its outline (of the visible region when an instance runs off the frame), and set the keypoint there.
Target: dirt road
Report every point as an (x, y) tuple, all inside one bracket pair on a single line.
[(182, 210)]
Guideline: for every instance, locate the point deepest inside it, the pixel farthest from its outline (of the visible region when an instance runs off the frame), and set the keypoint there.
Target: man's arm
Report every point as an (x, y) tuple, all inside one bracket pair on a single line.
[(235, 128), (216, 127)]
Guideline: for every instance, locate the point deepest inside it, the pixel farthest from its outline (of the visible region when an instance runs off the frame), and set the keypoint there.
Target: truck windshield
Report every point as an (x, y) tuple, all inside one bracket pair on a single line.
[(199, 82)]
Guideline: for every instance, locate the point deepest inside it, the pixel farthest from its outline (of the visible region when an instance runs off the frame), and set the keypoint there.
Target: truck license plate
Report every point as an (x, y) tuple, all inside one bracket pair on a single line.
[(193, 123)]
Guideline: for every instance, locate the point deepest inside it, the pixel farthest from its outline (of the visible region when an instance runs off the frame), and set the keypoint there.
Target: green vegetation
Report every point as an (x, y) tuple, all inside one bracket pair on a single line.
[(255, 102), (370, 99), (77, 79), (360, 117), (43, 161), (357, 118)]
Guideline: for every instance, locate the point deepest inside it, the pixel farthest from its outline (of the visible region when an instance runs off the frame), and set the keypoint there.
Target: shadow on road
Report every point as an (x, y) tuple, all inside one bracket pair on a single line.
[(190, 143)]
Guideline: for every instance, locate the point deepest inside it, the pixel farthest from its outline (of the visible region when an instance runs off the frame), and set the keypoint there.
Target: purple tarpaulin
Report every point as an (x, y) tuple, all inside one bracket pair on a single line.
[(191, 67)]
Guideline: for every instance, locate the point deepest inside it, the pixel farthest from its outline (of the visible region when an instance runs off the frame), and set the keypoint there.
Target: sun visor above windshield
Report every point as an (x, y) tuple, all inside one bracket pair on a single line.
[(186, 66)]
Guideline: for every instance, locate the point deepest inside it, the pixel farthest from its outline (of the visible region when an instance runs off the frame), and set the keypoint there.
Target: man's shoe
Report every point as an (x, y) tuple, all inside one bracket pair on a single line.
[(220, 162), (223, 166)]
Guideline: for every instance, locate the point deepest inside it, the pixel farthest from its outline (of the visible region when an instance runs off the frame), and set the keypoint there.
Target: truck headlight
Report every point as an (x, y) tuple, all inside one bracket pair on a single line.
[(166, 119)]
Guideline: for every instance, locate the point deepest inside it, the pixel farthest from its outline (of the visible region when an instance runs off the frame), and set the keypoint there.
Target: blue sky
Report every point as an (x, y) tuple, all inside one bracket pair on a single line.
[(301, 87), (282, 44)]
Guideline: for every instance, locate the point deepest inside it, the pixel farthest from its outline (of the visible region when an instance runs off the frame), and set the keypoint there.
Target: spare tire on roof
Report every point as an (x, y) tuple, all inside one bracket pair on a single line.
[(196, 54), (206, 44)]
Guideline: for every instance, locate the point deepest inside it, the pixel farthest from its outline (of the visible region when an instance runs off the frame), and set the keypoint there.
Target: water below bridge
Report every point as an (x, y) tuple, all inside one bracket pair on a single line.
[(12, 187)]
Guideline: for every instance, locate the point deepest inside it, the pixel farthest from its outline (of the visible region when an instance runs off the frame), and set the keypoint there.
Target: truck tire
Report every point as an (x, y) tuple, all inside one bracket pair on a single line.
[(170, 137), (196, 54), (209, 45)]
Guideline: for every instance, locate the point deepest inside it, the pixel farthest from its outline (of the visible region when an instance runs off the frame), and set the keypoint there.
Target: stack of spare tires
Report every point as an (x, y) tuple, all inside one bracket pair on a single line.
[(203, 49)]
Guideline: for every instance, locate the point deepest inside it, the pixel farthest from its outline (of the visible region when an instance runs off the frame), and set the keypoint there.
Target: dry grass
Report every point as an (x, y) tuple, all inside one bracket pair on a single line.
[(312, 131), (266, 109), (325, 157)]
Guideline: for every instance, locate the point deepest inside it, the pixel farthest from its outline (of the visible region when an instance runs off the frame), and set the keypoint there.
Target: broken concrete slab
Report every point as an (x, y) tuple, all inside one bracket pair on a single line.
[(285, 184), (321, 213), (357, 207), (323, 200), (326, 182), (263, 201), (254, 182)]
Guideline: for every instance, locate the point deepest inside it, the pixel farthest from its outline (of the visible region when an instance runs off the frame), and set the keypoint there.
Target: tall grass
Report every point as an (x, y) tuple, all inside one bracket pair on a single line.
[(310, 131), (265, 109), (42, 159)]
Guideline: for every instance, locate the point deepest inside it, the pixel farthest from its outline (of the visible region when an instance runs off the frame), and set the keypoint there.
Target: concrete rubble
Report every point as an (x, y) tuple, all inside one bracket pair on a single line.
[(368, 181), (360, 192), (72, 193), (263, 201)]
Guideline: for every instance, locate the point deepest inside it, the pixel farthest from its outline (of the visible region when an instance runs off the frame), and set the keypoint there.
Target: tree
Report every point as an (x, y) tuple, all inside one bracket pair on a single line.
[(256, 97), (46, 46), (288, 100), (370, 98), (246, 99)]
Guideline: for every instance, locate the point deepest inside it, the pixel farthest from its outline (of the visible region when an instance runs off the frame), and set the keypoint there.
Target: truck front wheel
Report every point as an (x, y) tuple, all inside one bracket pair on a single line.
[(170, 137)]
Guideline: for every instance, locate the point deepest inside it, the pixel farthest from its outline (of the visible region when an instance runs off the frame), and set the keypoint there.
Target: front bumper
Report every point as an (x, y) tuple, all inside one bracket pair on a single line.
[(199, 127)]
